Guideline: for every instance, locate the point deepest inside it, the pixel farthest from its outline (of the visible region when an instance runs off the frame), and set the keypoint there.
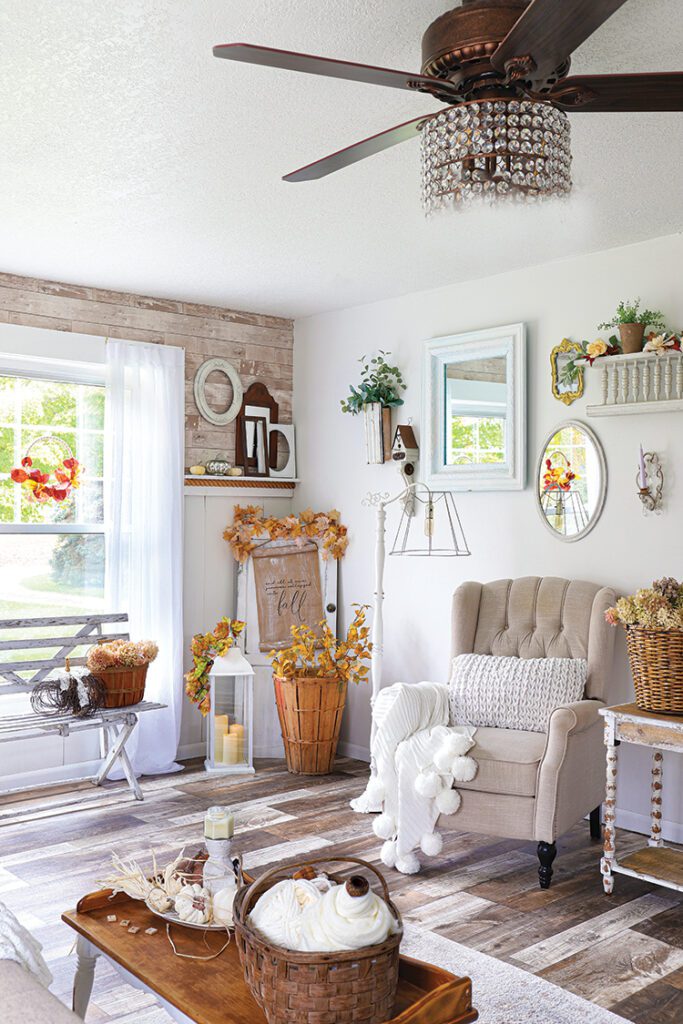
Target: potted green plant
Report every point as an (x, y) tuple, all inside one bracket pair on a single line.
[(375, 396), (632, 321)]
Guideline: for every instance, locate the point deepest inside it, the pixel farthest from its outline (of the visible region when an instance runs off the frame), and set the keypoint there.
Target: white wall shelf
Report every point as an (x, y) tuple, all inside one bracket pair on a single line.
[(640, 383)]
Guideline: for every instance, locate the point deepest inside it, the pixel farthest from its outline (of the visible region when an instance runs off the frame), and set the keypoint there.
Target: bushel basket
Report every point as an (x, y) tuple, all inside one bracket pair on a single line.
[(125, 686), (656, 657), (310, 709), (346, 987)]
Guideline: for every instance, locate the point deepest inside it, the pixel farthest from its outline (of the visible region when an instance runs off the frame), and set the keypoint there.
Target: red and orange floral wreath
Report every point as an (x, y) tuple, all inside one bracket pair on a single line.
[(39, 486), (249, 523)]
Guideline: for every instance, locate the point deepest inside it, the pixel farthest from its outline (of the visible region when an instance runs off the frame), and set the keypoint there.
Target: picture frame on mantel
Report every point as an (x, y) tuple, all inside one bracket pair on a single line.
[(474, 422)]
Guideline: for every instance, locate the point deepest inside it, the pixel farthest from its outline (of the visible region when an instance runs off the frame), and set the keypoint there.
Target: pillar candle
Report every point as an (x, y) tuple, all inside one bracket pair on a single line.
[(221, 727), (231, 748), (238, 731)]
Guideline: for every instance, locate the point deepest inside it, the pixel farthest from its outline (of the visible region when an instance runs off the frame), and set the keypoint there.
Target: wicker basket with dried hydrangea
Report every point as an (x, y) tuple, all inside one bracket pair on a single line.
[(653, 619), (122, 666)]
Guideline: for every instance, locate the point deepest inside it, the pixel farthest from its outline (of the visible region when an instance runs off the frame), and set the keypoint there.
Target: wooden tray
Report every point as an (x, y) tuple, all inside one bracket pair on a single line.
[(214, 992)]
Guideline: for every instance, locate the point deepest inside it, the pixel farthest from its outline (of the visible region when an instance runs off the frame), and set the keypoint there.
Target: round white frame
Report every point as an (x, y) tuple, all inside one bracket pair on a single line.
[(219, 419), (603, 481)]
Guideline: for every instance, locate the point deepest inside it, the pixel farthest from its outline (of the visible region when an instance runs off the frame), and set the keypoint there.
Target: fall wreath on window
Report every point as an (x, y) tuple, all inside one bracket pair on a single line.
[(43, 487)]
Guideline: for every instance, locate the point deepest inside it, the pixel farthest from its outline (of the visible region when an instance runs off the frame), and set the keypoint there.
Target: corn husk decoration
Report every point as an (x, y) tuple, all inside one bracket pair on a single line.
[(158, 891), (74, 690)]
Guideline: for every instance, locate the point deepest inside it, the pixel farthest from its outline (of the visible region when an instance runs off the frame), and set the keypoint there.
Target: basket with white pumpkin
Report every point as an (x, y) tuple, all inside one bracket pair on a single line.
[(318, 946)]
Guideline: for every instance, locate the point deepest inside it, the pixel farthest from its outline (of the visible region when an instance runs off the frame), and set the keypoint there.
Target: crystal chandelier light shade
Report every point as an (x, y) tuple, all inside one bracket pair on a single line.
[(495, 149)]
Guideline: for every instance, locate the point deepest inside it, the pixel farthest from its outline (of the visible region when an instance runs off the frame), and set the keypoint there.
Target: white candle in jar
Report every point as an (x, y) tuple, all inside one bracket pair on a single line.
[(219, 823)]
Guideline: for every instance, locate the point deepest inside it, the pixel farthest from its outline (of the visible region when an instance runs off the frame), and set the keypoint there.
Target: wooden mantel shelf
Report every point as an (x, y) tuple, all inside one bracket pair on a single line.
[(219, 484)]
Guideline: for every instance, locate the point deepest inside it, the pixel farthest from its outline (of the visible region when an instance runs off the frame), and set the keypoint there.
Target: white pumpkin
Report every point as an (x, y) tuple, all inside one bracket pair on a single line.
[(193, 904), (158, 900), (222, 906)]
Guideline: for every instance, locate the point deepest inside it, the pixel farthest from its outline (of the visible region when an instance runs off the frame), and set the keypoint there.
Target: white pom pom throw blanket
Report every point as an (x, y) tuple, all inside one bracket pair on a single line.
[(19, 945), (416, 758)]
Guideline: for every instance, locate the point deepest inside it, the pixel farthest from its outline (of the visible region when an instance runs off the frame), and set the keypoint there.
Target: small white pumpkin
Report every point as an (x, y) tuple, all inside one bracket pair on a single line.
[(222, 906), (193, 904), (158, 900)]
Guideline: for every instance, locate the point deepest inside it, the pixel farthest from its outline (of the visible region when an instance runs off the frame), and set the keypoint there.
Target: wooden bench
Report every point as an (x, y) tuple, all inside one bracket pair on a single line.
[(21, 675)]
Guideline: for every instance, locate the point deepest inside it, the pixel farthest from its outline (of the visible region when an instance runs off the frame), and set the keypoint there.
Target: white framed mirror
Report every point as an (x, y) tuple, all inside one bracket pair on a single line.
[(571, 481), (474, 410)]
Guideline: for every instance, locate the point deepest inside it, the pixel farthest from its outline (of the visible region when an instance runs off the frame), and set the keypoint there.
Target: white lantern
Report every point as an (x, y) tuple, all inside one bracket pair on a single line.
[(229, 741)]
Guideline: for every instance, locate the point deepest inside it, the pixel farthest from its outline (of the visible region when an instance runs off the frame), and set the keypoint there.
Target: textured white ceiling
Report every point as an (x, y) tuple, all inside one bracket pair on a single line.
[(131, 158)]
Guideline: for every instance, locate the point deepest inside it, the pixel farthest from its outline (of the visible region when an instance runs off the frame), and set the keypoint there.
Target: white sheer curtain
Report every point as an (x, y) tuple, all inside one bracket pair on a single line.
[(144, 527)]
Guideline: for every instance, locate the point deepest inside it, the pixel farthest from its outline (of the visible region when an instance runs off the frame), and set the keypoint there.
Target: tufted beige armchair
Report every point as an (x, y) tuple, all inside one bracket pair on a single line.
[(535, 785)]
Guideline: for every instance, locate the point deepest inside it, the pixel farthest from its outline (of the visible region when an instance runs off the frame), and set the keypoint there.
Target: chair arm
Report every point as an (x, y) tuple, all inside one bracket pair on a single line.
[(568, 719), (571, 772)]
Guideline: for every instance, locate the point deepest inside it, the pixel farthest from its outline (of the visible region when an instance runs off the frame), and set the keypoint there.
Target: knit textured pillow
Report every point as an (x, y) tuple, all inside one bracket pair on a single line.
[(513, 693)]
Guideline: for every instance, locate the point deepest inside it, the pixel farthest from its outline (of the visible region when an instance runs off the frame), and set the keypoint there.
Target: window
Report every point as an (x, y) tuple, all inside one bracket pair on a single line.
[(51, 554)]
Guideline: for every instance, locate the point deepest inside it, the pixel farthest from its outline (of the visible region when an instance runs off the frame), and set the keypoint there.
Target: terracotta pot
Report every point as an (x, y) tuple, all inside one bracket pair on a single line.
[(632, 337), (310, 710)]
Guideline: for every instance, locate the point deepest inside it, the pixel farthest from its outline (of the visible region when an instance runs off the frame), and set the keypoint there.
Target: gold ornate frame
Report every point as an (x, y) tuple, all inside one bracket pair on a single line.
[(565, 396)]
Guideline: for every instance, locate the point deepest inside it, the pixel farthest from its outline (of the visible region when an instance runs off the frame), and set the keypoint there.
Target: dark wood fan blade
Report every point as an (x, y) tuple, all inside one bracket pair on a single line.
[(619, 92), (547, 33), (312, 65), (359, 151)]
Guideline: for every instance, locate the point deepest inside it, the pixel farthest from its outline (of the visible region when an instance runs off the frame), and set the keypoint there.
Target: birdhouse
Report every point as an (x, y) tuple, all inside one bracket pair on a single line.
[(404, 450), (229, 739)]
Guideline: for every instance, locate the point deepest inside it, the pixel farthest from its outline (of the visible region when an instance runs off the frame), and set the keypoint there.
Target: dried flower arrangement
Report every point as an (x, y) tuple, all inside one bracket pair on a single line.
[(588, 353), (121, 654), (206, 647), (659, 607), (320, 655), (250, 523), (662, 343)]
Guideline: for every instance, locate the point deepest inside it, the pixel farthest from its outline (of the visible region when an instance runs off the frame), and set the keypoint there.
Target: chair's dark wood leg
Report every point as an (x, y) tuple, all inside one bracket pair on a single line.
[(546, 855), (596, 830)]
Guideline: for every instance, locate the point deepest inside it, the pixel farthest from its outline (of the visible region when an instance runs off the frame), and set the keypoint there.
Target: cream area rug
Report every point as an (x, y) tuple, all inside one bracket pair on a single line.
[(504, 994)]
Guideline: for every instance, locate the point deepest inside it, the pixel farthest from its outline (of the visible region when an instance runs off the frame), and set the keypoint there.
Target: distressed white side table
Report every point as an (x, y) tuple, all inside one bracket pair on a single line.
[(656, 863)]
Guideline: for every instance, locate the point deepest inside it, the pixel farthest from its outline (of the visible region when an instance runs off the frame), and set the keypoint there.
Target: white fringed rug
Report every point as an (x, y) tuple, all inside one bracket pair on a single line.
[(504, 994)]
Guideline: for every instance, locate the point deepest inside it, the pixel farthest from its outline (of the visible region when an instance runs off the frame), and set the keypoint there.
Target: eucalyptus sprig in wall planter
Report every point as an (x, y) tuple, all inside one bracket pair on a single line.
[(375, 396)]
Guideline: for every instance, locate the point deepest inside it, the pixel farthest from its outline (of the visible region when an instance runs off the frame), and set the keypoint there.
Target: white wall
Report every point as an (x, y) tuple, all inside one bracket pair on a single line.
[(505, 534)]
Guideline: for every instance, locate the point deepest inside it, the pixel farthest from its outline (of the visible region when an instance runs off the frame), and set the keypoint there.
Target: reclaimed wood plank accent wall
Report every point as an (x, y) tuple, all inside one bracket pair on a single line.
[(260, 347)]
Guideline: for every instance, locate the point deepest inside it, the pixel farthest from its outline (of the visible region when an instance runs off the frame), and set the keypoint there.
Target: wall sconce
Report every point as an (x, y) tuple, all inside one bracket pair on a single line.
[(650, 480)]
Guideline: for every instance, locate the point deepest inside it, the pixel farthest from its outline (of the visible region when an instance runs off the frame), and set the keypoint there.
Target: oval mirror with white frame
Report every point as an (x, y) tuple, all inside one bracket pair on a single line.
[(571, 481)]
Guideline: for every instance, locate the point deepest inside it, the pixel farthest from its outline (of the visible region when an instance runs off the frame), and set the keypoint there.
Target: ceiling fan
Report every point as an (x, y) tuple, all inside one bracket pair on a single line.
[(501, 66)]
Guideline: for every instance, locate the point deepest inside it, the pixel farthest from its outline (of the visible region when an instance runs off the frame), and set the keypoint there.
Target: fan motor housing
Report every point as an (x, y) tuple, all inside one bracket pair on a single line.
[(463, 40)]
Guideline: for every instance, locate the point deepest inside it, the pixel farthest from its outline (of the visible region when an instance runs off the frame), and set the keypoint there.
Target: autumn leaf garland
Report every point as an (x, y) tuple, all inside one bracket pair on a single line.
[(206, 647), (249, 523)]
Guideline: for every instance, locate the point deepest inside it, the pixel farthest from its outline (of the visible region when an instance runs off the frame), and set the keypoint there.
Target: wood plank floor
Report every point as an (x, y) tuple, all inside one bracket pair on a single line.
[(624, 952)]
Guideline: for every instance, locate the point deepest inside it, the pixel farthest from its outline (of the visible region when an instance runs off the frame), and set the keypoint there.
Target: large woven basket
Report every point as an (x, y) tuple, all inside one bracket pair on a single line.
[(310, 709), (125, 686), (656, 657), (353, 987)]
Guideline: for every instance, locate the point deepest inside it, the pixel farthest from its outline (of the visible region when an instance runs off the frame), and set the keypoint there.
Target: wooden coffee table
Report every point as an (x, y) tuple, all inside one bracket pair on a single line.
[(214, 991)]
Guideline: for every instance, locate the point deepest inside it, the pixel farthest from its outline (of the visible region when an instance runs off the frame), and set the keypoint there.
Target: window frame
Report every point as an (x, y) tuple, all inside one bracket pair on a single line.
[(62, 371)]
